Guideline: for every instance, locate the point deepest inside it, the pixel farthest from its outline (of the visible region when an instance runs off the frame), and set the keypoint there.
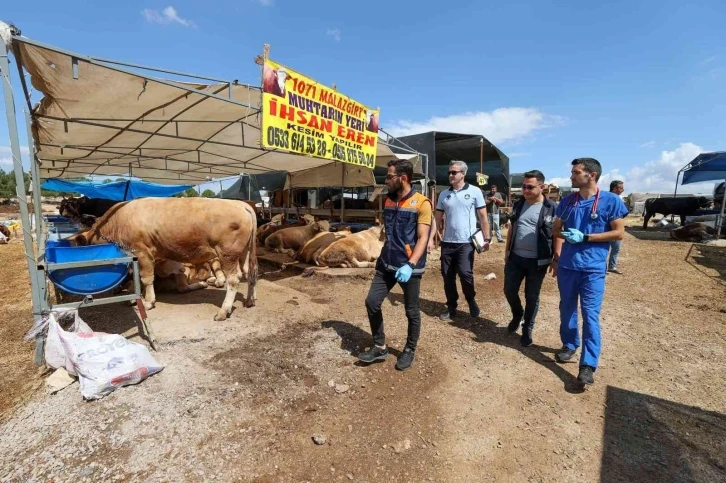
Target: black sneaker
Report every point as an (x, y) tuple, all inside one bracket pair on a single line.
[(615, 270), (448, 315), (405, 359), (373, 354), (514, 324), (526, 339), (565, 354), (474, 309), (586, 377)]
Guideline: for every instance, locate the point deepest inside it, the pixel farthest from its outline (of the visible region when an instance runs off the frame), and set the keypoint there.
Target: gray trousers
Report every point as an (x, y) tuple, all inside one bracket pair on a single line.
[(494, 226)]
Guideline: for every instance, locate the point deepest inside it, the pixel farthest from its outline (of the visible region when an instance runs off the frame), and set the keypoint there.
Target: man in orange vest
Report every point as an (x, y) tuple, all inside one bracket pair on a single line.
[(407, 218)]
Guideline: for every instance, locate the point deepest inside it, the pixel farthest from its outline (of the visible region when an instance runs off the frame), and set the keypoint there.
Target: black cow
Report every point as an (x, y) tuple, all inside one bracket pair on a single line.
[(682, 207), (85, 209)]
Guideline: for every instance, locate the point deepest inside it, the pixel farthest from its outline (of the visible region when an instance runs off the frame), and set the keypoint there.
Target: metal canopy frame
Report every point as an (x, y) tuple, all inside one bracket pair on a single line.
[(38, 267), (120, 156)]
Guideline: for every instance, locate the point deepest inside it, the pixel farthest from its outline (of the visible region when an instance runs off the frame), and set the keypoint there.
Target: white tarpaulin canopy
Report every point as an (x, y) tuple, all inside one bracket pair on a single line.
[(99, 119), (347, 175)]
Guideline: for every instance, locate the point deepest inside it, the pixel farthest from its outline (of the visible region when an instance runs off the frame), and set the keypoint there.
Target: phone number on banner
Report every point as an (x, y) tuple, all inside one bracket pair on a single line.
[(313, 143)]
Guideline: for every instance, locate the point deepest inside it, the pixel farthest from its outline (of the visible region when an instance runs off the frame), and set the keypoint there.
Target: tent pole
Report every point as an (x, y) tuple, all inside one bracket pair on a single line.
[(342, 193), (20, 191), (720, 217), (34, 175), (481, 155), (675, 191)]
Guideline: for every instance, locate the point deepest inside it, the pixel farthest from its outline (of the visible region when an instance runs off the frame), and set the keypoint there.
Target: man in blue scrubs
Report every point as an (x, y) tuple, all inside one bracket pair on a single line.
[(588, 221)]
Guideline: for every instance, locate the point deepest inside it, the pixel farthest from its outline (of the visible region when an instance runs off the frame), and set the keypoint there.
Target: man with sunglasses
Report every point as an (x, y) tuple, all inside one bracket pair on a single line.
[(462, 204), (407, 219), (588, 221), (494, 201), (529, 253)]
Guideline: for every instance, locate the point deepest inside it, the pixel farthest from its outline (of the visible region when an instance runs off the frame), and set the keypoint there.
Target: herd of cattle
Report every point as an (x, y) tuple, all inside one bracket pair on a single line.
[(191, 243)]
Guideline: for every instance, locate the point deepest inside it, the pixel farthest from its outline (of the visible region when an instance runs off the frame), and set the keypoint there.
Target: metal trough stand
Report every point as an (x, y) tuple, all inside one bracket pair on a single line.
[(144, 326)]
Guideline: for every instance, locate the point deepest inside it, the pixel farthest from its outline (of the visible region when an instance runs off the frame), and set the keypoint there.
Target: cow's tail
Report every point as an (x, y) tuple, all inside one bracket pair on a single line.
[(251, 261), (253, 253)]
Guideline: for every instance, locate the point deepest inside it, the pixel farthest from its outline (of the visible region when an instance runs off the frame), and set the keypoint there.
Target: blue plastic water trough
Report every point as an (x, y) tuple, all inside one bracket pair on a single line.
[(85, 280), (57, 219)]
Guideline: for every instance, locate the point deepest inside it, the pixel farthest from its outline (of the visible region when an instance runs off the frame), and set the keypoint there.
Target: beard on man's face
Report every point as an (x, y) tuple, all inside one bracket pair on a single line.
[(395, 186)]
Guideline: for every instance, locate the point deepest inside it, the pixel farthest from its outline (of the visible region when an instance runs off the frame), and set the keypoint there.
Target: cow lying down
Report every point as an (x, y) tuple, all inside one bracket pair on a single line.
[(693, 232), (185, 230), (185, 277), (313, 248), (171, 276), (290, 240), (264, 231), (359, 250)]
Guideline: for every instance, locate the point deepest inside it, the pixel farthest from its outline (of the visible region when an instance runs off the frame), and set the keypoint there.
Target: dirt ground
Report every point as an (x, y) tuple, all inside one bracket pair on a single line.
[(240, 400)]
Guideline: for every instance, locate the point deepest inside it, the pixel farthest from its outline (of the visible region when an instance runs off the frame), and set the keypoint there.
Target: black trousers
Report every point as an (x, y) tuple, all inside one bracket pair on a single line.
[(457, 259), (383, 282), (515, 270)]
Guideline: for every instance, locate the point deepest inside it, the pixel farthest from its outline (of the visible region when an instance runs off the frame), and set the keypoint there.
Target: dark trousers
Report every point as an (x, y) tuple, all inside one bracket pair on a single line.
[(457, 259), (515, 270), (383, 282)]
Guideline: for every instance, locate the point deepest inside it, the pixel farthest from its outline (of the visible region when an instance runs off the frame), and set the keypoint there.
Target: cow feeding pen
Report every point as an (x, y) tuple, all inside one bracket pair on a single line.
[(108, 118)]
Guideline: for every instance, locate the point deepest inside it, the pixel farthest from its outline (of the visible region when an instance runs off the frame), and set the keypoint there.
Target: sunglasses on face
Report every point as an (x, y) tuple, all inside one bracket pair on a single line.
[(391, 176), (529, 187), (452, 173)]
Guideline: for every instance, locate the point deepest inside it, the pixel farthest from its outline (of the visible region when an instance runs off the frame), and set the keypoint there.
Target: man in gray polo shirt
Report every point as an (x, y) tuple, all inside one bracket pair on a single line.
[(462, 204)]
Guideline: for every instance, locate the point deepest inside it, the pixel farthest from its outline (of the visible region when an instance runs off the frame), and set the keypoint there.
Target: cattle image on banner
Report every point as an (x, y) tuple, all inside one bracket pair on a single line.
[(302, 116)]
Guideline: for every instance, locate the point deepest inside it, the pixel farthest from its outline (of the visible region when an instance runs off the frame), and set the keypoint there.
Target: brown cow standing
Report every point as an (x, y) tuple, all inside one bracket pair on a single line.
[(312, 249), (186, 230), (290, 240), (359, 250)]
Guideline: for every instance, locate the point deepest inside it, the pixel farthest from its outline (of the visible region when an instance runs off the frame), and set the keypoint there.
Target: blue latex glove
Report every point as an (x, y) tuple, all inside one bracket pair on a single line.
[(404, 273), (573, 235)]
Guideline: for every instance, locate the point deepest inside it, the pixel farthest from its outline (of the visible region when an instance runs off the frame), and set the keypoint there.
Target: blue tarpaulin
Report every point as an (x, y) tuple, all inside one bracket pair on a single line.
[(118, 190), (705, 167)]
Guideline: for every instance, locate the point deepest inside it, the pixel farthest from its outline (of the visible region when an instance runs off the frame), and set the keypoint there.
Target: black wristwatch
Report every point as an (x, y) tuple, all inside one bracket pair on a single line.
[(413, 267), (586, 238)]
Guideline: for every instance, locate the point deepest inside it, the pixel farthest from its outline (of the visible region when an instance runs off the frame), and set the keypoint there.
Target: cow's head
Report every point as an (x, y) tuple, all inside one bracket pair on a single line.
[(70, 207), (379, 231), (703, 202), (322, 225), (79, 239)]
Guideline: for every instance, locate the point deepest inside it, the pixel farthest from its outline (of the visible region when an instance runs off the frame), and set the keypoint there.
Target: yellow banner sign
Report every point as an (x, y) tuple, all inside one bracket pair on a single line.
[(301, 116), (481, 179)]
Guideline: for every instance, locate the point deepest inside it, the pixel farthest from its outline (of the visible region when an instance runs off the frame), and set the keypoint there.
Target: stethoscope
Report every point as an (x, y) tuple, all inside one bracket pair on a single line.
[(575, 199)]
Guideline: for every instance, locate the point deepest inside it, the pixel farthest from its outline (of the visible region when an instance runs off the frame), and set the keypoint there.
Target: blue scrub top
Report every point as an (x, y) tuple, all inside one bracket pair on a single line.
[(590, 256)]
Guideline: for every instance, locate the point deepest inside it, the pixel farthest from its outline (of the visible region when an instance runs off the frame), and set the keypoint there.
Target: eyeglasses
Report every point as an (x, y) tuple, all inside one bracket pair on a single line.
[(452, 173), (529, 187), (391, 176)]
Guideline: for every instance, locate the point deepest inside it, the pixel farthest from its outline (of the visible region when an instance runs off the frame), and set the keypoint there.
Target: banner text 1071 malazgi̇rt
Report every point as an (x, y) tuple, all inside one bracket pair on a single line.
[(301, 116)]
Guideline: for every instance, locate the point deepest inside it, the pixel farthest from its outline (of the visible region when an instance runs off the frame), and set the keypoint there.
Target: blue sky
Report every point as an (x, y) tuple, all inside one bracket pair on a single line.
[(639, 85)]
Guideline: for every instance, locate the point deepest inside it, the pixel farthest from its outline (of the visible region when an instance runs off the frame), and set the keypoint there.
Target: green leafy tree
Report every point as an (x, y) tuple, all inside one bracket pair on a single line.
[(191, 193), (208, 194), (8, 184)]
